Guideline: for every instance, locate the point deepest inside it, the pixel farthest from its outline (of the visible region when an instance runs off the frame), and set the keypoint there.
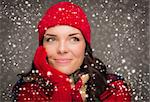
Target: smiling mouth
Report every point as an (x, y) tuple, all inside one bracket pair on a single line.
[(62, 61)]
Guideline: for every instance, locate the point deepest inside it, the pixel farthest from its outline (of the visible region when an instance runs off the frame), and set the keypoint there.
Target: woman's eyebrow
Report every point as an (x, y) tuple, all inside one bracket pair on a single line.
[(47, 34), (73, 34)]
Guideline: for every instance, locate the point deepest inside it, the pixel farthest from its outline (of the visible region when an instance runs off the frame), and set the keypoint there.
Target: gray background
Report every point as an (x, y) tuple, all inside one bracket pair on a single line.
[(119, 38)]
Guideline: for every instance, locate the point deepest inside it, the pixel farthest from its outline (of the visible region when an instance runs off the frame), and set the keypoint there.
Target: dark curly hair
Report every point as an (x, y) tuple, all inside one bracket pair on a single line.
[(96, 69)]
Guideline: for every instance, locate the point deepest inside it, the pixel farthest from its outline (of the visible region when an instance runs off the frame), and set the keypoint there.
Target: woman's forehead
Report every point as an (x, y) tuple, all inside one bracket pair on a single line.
[(63, 30)]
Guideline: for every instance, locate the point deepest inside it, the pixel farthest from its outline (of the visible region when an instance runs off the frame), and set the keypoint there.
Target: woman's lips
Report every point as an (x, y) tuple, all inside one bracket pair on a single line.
[(62, 61)]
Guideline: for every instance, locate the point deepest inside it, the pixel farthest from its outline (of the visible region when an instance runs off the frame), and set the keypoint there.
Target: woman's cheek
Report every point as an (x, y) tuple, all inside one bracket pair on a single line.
[(49, 48)]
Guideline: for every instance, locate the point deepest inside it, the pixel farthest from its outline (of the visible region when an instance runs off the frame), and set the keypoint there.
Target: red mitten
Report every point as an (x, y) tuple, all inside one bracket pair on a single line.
[(62, 87), (40, 60), (46, 70)]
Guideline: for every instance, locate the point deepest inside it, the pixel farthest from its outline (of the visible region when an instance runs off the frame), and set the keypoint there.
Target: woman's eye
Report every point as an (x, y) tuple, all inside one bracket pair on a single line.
[(50, 39), (75, 39)]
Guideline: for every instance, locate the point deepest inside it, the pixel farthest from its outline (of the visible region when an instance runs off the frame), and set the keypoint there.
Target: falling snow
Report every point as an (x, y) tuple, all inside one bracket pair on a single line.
[(119, 33)]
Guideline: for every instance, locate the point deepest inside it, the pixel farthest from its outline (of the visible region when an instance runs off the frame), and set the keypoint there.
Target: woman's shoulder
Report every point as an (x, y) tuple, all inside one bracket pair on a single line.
[(29, 82), (27, 86), (28, 91), (22, 86), (117, 90)]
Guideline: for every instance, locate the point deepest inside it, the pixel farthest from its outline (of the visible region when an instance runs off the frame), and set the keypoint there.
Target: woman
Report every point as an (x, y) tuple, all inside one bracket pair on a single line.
[(64, 69)]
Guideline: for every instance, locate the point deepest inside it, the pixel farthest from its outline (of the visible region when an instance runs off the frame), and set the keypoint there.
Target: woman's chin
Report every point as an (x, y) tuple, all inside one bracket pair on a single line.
[(66, 71)]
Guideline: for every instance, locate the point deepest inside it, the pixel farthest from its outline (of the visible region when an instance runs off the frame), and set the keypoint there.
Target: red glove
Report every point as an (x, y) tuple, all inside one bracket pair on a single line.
[(62, 88), (45, 70)]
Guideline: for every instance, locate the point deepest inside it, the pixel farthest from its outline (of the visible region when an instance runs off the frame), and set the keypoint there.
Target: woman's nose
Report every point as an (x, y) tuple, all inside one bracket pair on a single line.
[(62, 48)]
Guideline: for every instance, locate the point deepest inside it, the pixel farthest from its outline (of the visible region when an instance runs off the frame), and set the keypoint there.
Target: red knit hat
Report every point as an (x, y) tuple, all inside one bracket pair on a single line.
[(65, 13)]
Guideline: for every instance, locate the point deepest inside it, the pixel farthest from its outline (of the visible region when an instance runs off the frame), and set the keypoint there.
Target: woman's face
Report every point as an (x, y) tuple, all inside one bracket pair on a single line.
[(65, 47)]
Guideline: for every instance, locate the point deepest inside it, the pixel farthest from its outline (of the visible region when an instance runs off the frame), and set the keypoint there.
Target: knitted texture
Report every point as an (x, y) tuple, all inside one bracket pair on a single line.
[(65, 13)]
